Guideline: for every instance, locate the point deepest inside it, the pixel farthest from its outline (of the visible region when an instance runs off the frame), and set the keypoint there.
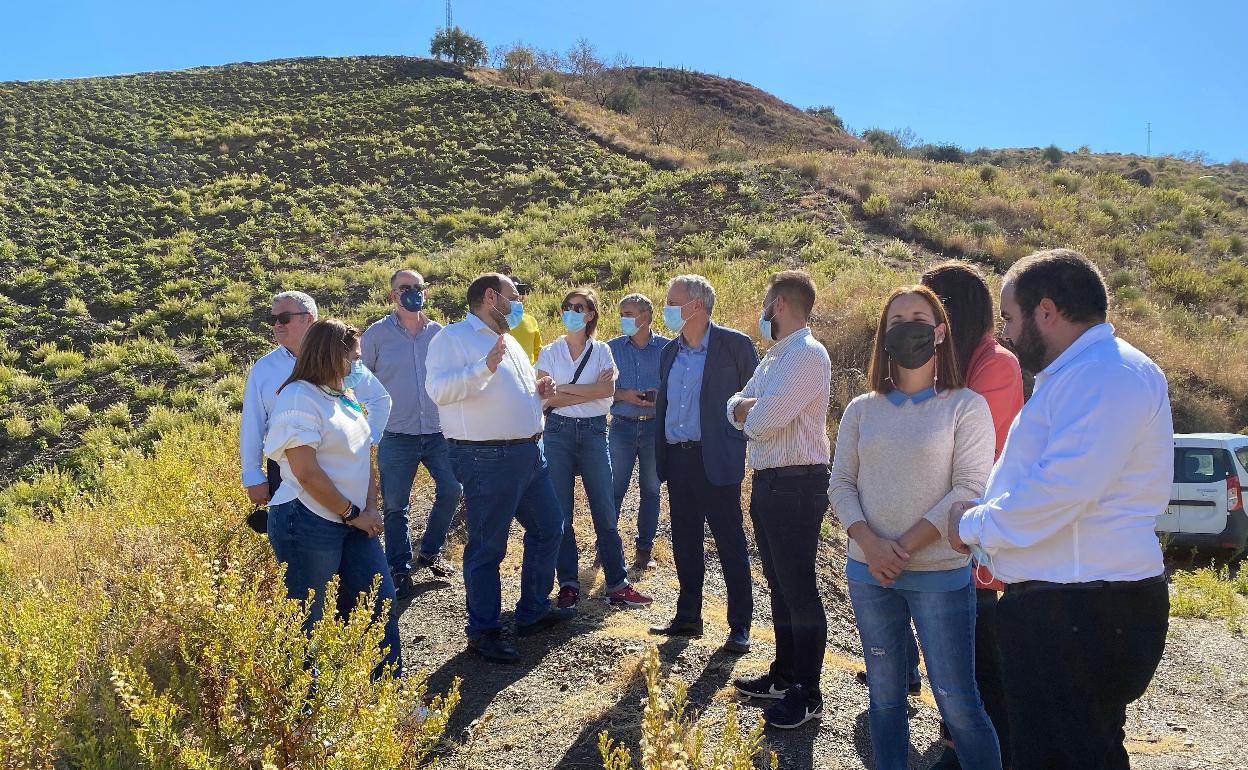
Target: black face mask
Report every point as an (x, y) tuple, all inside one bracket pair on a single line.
[(910, 345)]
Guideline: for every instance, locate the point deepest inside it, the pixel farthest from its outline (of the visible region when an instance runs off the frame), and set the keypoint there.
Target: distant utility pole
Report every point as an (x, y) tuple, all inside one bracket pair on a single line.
[(448, 14), (1148, 152)]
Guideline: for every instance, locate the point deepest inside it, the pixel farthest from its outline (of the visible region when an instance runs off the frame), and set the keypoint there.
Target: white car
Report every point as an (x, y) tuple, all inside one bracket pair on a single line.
[(1207, 497)]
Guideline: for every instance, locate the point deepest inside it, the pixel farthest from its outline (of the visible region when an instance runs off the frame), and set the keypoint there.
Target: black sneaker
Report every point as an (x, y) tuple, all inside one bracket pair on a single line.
[(404, 587), (765, 686), (796, 709), (493, 647), (436, 564)]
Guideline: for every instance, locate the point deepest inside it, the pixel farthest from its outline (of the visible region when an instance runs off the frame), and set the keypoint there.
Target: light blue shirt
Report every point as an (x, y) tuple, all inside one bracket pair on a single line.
[(397, 358), (638, 369), (897, 398), (684, 391)]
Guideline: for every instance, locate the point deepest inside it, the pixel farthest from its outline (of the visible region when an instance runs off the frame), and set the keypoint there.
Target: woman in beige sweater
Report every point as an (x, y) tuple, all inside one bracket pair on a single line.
[(906, 451)]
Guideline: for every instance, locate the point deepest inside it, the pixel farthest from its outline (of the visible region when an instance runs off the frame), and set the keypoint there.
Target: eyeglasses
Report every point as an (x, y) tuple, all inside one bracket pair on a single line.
[(284, 318), (405, 288), (576, 306)]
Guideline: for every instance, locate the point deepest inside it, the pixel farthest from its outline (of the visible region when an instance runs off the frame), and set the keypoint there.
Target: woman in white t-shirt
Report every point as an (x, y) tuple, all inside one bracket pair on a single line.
[(323, 519), (576, 443)]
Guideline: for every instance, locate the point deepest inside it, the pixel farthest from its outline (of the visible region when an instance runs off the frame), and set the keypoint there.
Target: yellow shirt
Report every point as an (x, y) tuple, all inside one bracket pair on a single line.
[(529, 337)]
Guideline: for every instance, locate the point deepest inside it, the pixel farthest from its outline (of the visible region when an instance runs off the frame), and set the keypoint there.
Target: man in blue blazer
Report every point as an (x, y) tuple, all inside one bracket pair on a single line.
[(701, 455)]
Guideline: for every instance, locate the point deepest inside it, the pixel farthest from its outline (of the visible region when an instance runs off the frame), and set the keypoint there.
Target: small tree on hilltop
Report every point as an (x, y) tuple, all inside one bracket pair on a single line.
[(458, 46), (1053, 154), (520, 65)]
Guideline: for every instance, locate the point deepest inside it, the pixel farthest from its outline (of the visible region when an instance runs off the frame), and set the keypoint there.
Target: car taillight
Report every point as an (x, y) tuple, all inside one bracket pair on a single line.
[(1233, 500)]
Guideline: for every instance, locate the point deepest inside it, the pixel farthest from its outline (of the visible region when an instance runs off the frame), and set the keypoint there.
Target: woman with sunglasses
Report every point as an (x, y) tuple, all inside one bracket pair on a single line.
[(909, 448), (323, 519), (576, 444)]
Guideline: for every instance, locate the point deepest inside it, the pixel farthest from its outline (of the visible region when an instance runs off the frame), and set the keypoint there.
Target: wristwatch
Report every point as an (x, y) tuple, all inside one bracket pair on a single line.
[(351, 514)]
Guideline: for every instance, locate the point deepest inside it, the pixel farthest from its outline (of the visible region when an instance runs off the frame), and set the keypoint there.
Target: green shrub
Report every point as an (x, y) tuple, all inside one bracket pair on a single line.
[(188, 655), (1053, 154), (623, 100), (18, 427), (671, 737), (988, 174), (876, 205), (1207, 593), (77, 411)]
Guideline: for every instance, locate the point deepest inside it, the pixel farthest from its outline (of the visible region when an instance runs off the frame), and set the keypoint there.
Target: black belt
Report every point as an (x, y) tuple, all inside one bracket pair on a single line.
[(792, 470), (1111, 585), (685, 444), (496, 442), (643, 418)]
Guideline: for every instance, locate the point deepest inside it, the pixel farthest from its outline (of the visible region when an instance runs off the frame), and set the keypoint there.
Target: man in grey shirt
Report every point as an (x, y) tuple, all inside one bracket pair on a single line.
[(394, 349)]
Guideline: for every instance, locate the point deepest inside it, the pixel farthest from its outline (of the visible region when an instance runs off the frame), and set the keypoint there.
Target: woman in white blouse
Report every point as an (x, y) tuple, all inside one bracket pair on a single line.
[(323, 519), (576, 443)]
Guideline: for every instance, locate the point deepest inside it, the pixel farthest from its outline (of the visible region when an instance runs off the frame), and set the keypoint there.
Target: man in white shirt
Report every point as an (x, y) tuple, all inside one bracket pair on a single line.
[(490, 402), (783, 411), (292, 313), (1067, 521)]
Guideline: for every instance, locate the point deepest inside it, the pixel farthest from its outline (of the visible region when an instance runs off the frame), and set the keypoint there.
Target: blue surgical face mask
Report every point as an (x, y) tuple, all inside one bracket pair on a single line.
[(516, 314), (573, 320), (672, 317), (355, 375), (764, 325), (412, 301), (628, 326)]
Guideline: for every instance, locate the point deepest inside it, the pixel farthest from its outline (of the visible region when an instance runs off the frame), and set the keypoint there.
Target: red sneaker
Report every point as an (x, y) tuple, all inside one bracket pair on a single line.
[(568, 597), (628, 597)]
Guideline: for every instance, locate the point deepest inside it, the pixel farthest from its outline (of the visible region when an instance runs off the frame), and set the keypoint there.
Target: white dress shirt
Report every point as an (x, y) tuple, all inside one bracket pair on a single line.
[(556, 360), (305, 415), (475, 404), (260, 394), (788, 425), (1086, 469)]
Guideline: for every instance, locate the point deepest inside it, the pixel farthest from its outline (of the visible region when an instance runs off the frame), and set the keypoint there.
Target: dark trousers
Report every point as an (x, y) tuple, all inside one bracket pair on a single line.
[(1073, 658), (695, 502), (987, 675), (787, 512)]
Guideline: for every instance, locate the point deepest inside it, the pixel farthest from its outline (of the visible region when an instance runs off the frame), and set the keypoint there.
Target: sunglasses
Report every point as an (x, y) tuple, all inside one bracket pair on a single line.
[(403, 289), (284, 318), (576, 307)]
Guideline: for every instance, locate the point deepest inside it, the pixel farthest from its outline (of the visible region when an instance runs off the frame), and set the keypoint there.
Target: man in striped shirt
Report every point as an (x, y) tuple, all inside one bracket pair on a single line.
[(783, 412)]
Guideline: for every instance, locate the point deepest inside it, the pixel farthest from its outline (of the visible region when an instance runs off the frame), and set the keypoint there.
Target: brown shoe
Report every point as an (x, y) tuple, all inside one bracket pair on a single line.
[(643, 559)]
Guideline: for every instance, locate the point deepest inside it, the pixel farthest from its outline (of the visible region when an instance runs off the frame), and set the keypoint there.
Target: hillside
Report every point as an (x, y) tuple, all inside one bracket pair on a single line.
[(145, 221)]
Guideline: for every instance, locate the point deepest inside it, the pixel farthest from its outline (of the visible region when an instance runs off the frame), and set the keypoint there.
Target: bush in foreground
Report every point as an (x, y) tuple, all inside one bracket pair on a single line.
[(147, 627), (671, 738)]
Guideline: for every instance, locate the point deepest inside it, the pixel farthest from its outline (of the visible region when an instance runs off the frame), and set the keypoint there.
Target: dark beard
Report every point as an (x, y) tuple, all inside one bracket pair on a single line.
[(1032, 353)]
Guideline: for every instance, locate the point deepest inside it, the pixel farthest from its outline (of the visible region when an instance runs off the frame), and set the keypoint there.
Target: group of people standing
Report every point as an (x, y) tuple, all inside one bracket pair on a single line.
[(1017, 539)]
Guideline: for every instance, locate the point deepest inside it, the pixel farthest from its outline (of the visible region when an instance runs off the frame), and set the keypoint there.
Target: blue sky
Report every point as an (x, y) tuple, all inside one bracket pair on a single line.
[(995, 73)]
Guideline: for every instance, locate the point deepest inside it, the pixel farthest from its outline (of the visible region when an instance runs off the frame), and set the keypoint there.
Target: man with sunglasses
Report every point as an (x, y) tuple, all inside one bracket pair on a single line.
[(292, 313), (394, 349), (526, 332)]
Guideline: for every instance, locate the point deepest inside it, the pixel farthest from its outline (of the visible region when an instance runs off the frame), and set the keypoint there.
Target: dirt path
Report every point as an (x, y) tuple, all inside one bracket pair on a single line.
[(574, 682)]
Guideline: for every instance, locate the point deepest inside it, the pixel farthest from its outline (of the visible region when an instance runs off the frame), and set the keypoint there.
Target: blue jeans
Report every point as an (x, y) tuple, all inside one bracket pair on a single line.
[(315, 549), (398, 457), (633, 441), (580, 446), (502, 483), (945, 621)]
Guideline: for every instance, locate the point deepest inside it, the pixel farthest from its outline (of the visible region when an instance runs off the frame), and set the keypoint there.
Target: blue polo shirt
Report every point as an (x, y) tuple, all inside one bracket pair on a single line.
[(638, 369)]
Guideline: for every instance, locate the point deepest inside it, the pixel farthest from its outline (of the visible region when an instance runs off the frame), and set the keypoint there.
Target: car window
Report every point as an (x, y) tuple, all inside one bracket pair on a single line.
[(1197, 465), (1242, 454)]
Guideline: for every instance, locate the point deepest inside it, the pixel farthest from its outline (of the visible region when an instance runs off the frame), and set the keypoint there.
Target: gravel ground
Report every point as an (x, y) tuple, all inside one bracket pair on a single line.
[(576, 681)]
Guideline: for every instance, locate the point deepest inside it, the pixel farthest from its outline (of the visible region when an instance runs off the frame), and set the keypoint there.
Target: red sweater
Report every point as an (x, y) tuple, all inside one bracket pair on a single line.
[(995, 375)]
